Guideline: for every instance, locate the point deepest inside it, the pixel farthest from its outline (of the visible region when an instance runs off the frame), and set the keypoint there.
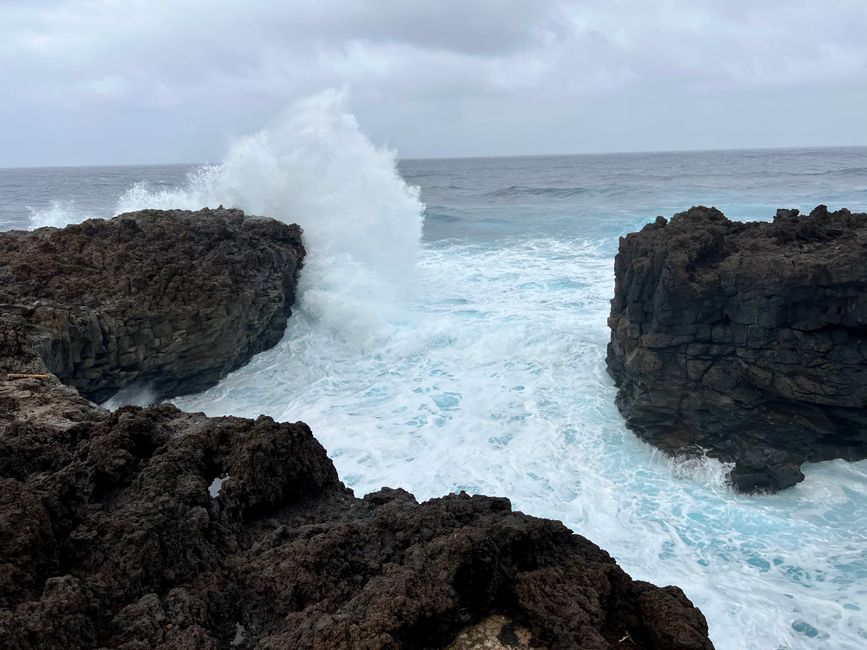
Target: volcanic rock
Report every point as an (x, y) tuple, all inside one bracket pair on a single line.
[(112, 538), (153, 528), (169, 300), (747, 341)]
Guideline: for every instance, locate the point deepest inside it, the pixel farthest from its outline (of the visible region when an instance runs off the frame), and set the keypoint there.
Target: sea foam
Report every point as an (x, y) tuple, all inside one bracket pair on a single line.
[(313, 165)]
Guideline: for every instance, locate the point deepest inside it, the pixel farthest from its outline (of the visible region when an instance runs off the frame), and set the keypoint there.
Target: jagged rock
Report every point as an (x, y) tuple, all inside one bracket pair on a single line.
[(117, 542), (170, 300), (747, 340), (153, 528)]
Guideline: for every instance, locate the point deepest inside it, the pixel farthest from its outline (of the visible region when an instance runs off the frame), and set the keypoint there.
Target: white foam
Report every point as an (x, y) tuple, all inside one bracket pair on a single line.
[(362, 223), (217, 485), (133, 395), (57, 215), (494, 382)]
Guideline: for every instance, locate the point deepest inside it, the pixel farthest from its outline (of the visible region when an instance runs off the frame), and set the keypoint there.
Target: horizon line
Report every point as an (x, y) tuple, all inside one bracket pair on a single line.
[(400, 159)]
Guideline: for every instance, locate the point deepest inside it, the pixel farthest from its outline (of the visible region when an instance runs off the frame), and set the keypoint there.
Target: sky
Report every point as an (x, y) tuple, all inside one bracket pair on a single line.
[(152, 81)]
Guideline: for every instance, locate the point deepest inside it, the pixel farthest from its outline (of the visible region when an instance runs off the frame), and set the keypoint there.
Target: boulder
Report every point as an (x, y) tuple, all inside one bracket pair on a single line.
[(170, 301), (745, 341)]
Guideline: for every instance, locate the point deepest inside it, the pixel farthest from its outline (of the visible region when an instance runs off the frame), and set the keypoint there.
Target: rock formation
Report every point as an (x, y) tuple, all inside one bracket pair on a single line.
[(154, 528), (169, 300), (747, 340)]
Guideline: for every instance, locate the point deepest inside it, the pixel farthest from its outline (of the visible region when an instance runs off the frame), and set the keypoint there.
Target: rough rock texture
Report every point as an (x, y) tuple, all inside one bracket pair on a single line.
[(154, 528), (170, 300), (748, 340), (109, 537), (494, 633)]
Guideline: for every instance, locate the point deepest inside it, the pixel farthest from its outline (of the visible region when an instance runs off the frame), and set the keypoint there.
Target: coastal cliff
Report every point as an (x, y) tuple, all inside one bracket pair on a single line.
[(745, 340), (168, 300), (154, 528)]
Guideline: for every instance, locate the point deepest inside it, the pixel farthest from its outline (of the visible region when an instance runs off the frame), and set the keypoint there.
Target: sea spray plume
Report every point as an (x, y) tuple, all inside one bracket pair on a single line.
[(58, 215), (315, 166), (362, 223)]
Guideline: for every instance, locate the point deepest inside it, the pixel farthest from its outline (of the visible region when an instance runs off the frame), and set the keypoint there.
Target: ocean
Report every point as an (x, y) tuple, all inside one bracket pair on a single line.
[(450, 335)]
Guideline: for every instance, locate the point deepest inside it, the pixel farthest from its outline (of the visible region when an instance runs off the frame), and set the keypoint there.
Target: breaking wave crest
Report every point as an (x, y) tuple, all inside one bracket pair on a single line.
[(313, 166), (362, 223), (60, 213)]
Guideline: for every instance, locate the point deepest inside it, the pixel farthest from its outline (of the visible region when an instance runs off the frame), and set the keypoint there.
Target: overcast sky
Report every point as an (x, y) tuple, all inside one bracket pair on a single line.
[(126, 81)]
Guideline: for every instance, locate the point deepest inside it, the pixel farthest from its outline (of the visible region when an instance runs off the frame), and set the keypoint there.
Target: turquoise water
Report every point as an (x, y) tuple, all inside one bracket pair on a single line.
[(453, 337)]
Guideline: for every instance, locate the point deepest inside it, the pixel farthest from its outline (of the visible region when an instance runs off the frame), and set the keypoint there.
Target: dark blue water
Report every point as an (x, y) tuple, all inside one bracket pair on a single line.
[(466, 197), (74, 193)]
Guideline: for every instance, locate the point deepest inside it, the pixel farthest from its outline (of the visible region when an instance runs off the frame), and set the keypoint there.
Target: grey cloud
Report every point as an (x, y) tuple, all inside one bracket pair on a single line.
[(489, 76)]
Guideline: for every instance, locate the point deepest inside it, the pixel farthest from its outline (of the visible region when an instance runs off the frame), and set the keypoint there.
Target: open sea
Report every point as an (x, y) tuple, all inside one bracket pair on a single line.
[(450, 335)]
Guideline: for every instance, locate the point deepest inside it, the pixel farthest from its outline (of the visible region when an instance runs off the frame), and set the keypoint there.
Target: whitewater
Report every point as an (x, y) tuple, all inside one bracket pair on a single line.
[(450, 334)]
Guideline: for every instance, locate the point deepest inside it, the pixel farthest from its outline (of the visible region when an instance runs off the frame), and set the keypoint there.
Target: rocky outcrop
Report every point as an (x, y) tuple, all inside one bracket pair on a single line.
[(154, 528), (747, 340), (169, 300)]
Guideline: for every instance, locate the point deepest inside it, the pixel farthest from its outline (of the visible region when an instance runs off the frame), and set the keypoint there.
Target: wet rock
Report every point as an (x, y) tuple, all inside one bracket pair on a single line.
[(154, 528), (745, 339), (168, 300), (117, 542)]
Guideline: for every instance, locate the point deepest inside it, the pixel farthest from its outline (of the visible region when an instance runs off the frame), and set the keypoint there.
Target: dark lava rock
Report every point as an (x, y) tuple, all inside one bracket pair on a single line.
[(747, 340), (153, 528), (111, 538), (170, 300)]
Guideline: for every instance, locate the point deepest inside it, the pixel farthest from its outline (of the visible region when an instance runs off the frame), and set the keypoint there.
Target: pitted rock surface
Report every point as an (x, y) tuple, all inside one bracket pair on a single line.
[(169, 300), (111, 538), (746, 340), (153, 528)]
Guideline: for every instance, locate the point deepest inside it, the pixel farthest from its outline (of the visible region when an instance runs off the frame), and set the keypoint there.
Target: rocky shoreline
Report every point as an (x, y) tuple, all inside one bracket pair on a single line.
[(154, 528), (747, 341)]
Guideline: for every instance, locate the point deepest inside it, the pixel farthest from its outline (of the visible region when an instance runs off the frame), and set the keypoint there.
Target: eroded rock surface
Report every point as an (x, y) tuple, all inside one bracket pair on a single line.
[(170, 300), (494, 633), (153, 528), (748, 340), (111, 538)]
